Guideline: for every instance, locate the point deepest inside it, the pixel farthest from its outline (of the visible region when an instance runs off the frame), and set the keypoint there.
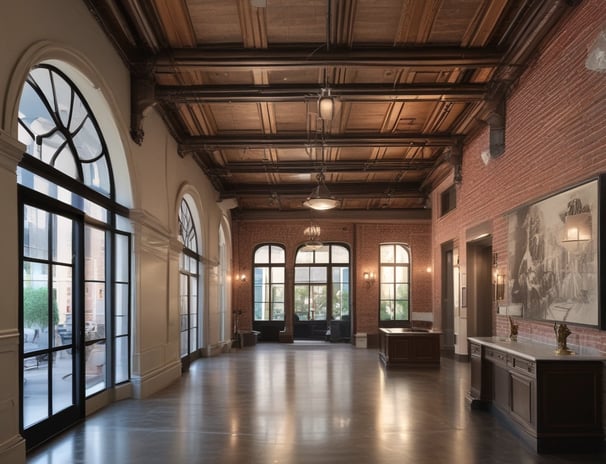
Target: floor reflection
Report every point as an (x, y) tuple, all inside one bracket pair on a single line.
[(277, 403)]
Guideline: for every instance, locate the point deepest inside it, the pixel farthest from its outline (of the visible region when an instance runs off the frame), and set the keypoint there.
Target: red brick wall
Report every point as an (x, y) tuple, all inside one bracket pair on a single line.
[(363, 240), (555, 137)]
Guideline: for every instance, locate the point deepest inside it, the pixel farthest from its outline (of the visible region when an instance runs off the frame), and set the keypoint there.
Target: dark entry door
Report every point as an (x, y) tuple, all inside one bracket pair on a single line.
[(52, 396)]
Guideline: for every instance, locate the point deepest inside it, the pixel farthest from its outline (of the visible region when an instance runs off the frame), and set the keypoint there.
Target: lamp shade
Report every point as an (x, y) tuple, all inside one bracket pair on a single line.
[(320, 198), (326, 108)]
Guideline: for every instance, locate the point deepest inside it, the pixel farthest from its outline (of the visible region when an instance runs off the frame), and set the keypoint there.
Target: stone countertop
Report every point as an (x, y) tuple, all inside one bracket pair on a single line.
[(537, 351)]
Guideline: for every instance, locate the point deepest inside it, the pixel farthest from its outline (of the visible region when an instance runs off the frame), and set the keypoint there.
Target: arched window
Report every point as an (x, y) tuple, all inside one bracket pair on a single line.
[(322, 284), (188, 278), (223, 288), (269, 272), (75, 257), (394, 300)]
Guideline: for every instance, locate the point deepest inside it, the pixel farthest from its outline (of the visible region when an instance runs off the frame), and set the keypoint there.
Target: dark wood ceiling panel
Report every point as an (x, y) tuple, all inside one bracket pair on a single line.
[(236, 117), (294, 21), (291, 117), (376, 21), (453, 20), (238, 82), (215, 22)]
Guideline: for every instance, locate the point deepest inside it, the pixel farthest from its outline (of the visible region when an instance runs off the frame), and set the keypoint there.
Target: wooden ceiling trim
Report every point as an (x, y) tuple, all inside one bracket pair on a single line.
[(342, 18), (253, 24), (350, 189), (430, 12), (235, 140), (228, 168), (483, 25), (296, 92), (276, 58), (176, 23), (268, 118)]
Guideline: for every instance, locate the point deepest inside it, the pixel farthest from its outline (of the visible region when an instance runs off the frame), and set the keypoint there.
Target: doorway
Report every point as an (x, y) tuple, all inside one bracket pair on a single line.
[(448, 303), (479, 288), (52, 355)]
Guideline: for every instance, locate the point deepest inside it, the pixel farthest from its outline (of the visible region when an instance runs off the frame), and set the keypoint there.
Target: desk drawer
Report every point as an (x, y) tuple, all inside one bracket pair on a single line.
[(496, 356), (523, 365)]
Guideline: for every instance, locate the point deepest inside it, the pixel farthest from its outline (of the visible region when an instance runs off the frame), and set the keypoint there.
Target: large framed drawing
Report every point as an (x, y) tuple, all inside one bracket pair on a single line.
[(554, 256)]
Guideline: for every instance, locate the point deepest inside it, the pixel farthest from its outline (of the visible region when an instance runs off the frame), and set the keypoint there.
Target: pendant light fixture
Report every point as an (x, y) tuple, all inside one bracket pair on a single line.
[(320, 197), (312, 232)]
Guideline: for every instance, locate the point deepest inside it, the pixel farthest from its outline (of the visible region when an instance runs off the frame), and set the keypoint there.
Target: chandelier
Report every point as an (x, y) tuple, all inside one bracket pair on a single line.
[(312, 233), (320, 198)]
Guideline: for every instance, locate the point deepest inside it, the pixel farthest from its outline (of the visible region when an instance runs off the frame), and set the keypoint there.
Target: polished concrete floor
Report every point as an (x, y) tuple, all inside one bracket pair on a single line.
[(302, 403)]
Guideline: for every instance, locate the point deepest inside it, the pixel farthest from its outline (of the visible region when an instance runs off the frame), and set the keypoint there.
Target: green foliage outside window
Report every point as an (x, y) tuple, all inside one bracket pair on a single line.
[(35, 307)]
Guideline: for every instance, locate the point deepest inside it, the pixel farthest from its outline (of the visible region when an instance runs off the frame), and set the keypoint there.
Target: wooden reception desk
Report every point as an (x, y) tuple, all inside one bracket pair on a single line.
[(554, 402), (405, 346)]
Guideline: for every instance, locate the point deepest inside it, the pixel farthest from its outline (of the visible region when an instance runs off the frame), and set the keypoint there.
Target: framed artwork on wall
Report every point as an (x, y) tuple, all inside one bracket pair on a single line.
[(554, 256)]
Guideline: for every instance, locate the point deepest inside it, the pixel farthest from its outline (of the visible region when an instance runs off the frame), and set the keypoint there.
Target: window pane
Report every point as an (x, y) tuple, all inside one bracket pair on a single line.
[(302, 302), (121, 353), (386, 311), (62, 305), (277, 255), (401, 310), (301, 274), (35, 305), (121, 309), (387, 291), (277, 275), (387, 254), (401, 274), (278, 311), (94, 310), (317, 274), (62, 380), (402, 291), (340, 254), (401, 254), (35, 390), (322, 255), (94, 246), (95, 367), (35, 233), (387, 274), (121, 258), (262, 255), (304, 256), (62, 233), (277, 293), (318, 304), (261, 275)]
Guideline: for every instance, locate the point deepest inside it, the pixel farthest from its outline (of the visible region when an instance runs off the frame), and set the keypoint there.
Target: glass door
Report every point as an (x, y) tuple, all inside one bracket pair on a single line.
[(51, 366)]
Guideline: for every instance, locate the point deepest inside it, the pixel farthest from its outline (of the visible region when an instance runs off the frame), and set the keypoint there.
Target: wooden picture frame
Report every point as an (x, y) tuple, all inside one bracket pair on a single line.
[(554, 256)]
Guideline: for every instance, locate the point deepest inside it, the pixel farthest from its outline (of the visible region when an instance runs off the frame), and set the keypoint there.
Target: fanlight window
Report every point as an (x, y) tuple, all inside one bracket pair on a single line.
[(58, 128)]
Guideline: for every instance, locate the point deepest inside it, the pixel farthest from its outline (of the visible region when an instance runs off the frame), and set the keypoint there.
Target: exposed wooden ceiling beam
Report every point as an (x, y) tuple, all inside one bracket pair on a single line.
[(302, 140), (298, 167), (345, 92), (213, 59), (351, 190)]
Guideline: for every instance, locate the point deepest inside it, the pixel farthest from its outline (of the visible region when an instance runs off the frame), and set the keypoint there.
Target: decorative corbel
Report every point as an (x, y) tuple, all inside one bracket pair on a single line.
[(494, 116), (454, 155), (142, 97)]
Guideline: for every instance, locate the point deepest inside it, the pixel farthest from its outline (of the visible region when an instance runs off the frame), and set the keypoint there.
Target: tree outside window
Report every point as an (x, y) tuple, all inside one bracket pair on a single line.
[(394, 301)]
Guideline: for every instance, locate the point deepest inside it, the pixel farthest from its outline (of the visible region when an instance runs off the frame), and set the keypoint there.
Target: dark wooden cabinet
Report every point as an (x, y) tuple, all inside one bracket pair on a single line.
[(402, 346), (554, 402)]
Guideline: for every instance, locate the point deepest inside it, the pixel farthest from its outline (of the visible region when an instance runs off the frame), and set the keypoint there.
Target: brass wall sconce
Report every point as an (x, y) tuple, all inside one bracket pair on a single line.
[(369, 278), (500, 287)]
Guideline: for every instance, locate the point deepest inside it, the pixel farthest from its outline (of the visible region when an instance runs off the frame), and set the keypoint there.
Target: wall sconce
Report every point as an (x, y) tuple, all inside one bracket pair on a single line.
[(241, 277), (500, 287), (369, 278), (428, 269)]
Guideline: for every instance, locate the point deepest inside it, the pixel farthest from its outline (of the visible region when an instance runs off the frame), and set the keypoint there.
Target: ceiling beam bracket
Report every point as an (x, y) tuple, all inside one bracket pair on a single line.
[(142, 97)]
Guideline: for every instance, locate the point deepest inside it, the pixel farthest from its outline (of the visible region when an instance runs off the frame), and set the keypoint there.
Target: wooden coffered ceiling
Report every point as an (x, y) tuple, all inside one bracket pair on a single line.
[(238, 82)]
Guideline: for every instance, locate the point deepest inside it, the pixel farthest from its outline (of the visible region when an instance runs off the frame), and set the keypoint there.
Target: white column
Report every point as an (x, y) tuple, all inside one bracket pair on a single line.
[(12, 445)]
